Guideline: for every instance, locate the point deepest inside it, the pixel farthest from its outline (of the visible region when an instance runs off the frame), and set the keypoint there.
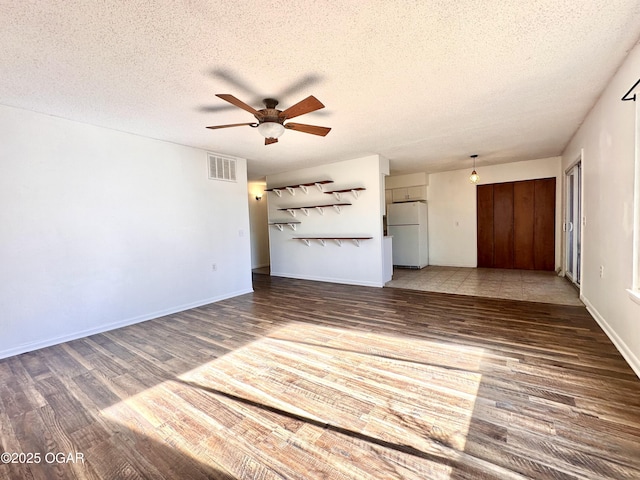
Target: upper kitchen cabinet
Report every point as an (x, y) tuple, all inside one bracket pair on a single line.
[(409, 194)]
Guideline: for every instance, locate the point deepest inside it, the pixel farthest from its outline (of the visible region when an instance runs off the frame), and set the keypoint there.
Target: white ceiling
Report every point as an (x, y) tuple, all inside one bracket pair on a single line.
[(424, 83)]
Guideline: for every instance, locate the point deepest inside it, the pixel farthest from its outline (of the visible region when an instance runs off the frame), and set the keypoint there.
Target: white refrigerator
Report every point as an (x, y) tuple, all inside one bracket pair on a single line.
[(407, 224)]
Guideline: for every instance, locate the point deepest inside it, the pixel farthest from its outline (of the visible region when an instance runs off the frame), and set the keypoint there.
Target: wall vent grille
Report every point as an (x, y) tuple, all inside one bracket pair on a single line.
[(221, 168)]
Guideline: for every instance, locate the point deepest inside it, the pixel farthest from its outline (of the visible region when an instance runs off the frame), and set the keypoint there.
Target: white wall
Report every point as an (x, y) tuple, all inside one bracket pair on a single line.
[(258, 215), (452, 208), (332, 263), (99, 229), (408, 180), (608, 139)]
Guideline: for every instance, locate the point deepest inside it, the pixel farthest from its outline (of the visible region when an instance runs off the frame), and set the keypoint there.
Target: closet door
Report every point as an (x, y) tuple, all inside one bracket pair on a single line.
[(545, 225), (523, 225), (484, 196), (516, 224), (503, 225)]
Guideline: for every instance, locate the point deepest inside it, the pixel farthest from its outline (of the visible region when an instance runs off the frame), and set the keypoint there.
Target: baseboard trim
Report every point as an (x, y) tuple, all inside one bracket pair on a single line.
[(622, 347), (344, 281), (437, 263), (30, 347)]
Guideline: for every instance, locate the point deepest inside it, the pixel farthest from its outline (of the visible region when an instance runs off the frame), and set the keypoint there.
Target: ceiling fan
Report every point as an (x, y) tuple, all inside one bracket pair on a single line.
[(271, 120)]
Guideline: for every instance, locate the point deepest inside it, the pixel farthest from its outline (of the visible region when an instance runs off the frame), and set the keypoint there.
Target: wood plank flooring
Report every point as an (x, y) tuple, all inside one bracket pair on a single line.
[(308, 380)]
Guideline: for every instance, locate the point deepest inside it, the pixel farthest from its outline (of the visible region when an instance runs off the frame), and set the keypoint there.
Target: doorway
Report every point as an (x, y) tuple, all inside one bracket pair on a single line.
[(573, 224)]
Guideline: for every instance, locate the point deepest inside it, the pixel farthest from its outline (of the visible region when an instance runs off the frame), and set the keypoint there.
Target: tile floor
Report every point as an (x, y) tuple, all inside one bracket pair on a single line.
[(532, 286)]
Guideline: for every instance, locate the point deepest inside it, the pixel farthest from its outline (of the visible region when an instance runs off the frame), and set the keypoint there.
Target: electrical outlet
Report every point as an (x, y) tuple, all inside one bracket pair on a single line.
[(601, 271), (214, 267)]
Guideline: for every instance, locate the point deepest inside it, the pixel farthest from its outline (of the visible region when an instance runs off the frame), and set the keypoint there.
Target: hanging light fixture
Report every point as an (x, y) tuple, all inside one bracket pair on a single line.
[(474, 178)]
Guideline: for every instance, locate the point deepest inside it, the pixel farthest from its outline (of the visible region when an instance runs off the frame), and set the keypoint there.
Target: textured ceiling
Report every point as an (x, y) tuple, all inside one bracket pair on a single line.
[(424, 83)]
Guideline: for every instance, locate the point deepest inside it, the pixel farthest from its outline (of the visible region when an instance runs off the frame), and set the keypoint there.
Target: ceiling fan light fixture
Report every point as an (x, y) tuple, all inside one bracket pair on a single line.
[(474, 177), (271, 129)]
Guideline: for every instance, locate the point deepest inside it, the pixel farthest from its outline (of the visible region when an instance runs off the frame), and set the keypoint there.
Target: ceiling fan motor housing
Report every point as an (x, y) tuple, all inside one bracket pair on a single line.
[(269, 115)]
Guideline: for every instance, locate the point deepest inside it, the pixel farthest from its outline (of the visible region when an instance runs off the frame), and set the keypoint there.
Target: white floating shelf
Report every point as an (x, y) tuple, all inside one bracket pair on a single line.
[(302, 186), (355, 191)]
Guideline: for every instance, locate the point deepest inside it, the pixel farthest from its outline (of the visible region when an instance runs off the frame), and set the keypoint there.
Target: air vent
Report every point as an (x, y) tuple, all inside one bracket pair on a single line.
[(221, 168)]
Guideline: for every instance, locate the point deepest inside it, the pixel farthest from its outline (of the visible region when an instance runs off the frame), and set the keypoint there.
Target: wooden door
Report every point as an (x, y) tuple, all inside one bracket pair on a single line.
[(523, 223), (484, 196), (516, 224), (503, 225), (545, 226)]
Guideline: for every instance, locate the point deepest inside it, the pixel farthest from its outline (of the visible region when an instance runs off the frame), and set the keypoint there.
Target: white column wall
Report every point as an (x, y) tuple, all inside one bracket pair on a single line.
[(348, 263)]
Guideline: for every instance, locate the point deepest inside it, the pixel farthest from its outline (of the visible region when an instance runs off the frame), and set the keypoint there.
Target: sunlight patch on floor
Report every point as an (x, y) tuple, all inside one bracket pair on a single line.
[(324, 395)]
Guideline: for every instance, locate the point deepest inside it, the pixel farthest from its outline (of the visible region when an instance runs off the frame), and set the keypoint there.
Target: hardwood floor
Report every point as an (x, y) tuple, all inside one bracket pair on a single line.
[(314, 380)]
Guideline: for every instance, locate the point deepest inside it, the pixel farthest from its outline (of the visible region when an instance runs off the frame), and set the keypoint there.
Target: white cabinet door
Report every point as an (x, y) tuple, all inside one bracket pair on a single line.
[(417, 193), (409, 194), (400, 195)]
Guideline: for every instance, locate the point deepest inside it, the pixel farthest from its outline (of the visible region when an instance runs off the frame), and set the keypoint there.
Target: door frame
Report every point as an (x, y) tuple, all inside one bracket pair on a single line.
[(573, 221)]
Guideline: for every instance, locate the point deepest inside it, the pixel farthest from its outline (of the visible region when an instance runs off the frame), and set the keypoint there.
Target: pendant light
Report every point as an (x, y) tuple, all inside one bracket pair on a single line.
[(474, 178)]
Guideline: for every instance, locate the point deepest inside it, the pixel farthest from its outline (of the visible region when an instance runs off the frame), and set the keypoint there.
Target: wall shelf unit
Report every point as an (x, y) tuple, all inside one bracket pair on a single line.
[(320, 208), (280, 225), (337, 240), (338, 193), (302, 186)]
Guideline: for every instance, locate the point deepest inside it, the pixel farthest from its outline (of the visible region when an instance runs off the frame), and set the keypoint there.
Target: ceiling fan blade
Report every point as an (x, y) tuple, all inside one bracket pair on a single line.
[(313, 129), (238, 103), (269, 141), (309, 104), (231, 125)]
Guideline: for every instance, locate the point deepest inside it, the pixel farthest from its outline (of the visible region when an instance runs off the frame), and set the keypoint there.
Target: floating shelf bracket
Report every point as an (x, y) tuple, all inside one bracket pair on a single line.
[(305, 189), (320, 210), (319, 185), (338, 208), (280, 226), (277, 192), (305, 210), (338, 240), (291, 190), (339, 193), (291, 211)]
